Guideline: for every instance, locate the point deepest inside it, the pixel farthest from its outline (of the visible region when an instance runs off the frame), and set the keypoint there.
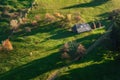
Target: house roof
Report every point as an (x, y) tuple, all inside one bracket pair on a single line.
[(82, 27)]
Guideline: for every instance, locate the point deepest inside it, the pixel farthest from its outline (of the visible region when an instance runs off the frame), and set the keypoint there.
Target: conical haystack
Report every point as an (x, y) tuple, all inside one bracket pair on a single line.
[(7, 45)]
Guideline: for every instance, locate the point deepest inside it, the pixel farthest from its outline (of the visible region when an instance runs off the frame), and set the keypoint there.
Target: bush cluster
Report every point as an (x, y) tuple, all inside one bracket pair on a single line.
[(72, 51)]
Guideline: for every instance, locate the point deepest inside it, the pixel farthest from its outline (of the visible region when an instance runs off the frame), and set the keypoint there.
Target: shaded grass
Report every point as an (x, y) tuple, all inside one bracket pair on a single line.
[(33, 69), (49, 38), (93, 3), (97, 71), (45, 40), (99, 64), (89, 12)]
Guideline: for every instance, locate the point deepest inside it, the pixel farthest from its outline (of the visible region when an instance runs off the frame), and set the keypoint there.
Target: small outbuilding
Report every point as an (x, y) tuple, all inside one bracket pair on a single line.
[(79, 28)]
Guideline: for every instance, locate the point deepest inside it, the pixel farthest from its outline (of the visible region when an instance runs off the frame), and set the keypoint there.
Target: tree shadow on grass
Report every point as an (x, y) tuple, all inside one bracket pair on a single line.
[(108, 70), (100, 52), (62, 34), (40, 66), (33, 69), (98, 69), (48, 28), (4, 36), (40, 29), (104, 15), (93, 3), (105, 19), (88, 40)]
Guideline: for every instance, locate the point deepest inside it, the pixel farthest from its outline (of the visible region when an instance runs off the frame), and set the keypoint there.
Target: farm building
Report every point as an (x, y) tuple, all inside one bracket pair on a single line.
[(79, 28)]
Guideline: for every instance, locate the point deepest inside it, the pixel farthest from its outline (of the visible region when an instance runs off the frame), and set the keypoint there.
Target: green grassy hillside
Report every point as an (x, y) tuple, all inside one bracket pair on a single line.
[(90, 10), (36, 54), (8, 9)]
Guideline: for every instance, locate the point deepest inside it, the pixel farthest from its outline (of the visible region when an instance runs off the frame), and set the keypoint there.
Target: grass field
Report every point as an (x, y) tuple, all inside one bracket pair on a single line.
[(45, 40), (90, 10)]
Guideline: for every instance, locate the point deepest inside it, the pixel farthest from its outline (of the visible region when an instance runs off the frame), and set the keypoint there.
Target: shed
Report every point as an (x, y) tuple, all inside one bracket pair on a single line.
[(79, 28)]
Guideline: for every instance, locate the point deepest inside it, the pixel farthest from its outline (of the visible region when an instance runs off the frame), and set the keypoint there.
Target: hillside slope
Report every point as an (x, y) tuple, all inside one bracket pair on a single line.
[(36, 54), (90, 10)]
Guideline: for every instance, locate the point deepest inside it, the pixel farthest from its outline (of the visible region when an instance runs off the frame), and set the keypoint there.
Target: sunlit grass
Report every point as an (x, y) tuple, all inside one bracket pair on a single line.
[(36, 54)]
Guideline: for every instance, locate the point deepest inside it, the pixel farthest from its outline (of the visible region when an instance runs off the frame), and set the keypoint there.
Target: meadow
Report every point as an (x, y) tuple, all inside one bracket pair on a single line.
[(36, 54)]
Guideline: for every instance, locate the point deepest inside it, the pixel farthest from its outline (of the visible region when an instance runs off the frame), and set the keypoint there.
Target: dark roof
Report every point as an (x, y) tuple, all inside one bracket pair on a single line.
[(79, 28)]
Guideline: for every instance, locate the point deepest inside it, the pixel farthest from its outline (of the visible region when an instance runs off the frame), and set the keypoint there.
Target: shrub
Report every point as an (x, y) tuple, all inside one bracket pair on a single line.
[(72, 50), (80, 51), (65, 48), (65, 55)]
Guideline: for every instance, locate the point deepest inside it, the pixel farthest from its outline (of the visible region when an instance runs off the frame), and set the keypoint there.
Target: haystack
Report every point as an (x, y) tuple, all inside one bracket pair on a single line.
[(7, 45)]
